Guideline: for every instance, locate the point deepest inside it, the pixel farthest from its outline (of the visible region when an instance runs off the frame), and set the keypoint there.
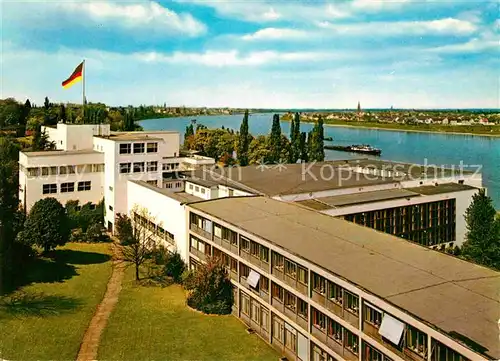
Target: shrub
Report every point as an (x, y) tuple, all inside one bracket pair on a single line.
[(210, 288), (174, 266), (96, 233), (159, 255), (187, 279)]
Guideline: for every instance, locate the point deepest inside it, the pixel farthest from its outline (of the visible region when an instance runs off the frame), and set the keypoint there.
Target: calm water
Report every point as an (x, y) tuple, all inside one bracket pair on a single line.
[(421, 148)]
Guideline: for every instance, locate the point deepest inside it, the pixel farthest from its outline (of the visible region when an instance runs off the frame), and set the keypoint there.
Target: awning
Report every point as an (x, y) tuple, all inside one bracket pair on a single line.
[(253, 278), (391, 329)]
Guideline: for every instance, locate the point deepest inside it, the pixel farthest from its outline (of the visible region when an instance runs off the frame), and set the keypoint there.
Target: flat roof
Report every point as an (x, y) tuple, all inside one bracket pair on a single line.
[(453, 295), (366, 197), (286, 179), (442, 188), (49, 153), (139, 135), (410, 169), (182, 196)]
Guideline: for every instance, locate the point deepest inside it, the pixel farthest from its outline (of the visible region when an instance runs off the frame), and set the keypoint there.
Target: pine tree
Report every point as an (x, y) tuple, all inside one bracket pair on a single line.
[(303, 147), (309, 146), (482, 243), (244, 141), (320, 141), (295, 139), (62, 114), (275, 140)]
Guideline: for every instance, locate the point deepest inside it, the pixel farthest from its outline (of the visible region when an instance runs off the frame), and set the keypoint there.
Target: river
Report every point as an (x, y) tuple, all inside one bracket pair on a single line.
[(422, 148)]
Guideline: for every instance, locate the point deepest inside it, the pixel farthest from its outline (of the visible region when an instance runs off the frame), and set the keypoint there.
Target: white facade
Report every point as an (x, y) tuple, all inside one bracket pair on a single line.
[(62, 175), (92, 153), (165, 211)]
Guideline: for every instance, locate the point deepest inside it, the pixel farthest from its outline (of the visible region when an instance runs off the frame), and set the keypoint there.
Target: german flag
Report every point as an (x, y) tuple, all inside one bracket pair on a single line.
[(75, 77)]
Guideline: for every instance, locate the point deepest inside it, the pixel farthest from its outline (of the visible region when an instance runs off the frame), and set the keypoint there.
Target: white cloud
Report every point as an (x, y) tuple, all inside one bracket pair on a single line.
[(447, 26), (276, 34), (271, 14), (231, 58), (143, 17)]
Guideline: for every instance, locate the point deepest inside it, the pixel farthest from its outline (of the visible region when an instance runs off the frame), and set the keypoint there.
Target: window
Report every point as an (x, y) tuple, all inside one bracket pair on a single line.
[(264, 284), (234, 265), (49, 188), (139, 167), (372, 354), (96, 168), (152, 166), (255, 314), (254, 249), (278, 262), (264, 254), (191, 187), (244, 270), (278, 293), (33, 172), (67, 187), (372, 316), (302, 275), (290, 338), (334, 293), (264, 318), (302, 308), (318, 283), (351, 302), (152, 182), (83, 186), (125, 148), (138, 148), (245, 303), (203, 191), (319, 319), (290, 269), (290, 301), (416, 341), (196, 188), (230, 192), (152, 147), (335, 331), (45, 171), (278, 329), (318, 353), (351, 341), (245, 244), (441, 352), (53, 171)]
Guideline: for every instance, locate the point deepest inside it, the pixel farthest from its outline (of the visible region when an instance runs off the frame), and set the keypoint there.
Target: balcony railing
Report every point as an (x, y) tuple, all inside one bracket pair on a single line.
[(277, 304), (318, 333), (278, 273), (201, 231), (217, 240)]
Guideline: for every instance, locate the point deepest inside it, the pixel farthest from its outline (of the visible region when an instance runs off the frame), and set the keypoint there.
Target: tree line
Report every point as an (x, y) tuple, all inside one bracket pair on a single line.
[(229, 147)]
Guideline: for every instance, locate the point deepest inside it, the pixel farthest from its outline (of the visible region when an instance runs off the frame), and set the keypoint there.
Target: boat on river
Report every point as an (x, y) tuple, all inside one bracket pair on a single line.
[(355, 148), (328, 139)]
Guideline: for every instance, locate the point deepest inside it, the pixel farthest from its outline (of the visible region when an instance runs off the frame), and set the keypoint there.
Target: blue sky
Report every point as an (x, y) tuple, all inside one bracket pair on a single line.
[(255, 53)]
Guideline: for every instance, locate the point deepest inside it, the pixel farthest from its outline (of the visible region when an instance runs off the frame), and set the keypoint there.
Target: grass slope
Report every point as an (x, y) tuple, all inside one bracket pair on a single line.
[(61, 296), (152, 323)]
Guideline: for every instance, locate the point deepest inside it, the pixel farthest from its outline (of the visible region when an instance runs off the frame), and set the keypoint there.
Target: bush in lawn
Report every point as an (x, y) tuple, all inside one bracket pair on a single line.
[(211, 290), (159, 255), (187, 279), (47, 225), (174, 266), (95, 233)]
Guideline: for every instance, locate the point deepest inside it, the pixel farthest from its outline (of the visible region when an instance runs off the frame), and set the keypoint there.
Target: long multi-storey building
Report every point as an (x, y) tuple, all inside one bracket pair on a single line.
[(323, 289)]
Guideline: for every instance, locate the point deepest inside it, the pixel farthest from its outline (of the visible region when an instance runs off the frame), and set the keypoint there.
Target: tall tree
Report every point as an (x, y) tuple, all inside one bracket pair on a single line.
[(47, 225), (482, 243), (295, 135), (23, 118), (316, 149), (303, 147), (188, 136), (62, 114), (137, 238), (9, 204), (244, 141), (309, 146), (275, 140)]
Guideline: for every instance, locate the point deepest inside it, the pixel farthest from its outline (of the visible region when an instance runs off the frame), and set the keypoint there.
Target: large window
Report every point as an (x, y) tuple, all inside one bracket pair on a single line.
[(290, 301), (264, 284), (318, 283), (290, 269), (290, 338), (302, 275), (264, 254), (125, 148), (49, 188), (245, 303), (139, 167), (84, 186), (254, 249), (152, 148), (371, 353), (152, 166), (319, 319), (264, 318), (318, 353), (67, 187), (416, 341), (244, 270), (352, 302), (441, 352), (278, 262), (125, 167), (302, 308), (278, 332), (138, 147), (335, 293), (372, 316), (335, 330), (351, 341), (68, 169), (278, 293), (230, 236)]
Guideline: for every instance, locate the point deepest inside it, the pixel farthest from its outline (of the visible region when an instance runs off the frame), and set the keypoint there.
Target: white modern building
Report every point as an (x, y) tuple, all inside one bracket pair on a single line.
[(92, 163)]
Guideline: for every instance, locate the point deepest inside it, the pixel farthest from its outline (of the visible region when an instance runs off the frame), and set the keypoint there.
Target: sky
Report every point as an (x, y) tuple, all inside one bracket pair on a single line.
[(255, 53)]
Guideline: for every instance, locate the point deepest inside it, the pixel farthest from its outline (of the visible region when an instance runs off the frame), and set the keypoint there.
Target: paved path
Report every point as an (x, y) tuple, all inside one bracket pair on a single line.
[(90, 342)]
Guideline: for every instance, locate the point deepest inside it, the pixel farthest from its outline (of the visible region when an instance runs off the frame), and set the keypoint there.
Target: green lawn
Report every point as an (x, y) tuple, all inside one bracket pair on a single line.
[(61, 294), (153, 323)]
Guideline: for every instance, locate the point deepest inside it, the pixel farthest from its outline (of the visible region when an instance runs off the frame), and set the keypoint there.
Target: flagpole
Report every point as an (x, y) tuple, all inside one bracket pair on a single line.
[(83, 90)]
